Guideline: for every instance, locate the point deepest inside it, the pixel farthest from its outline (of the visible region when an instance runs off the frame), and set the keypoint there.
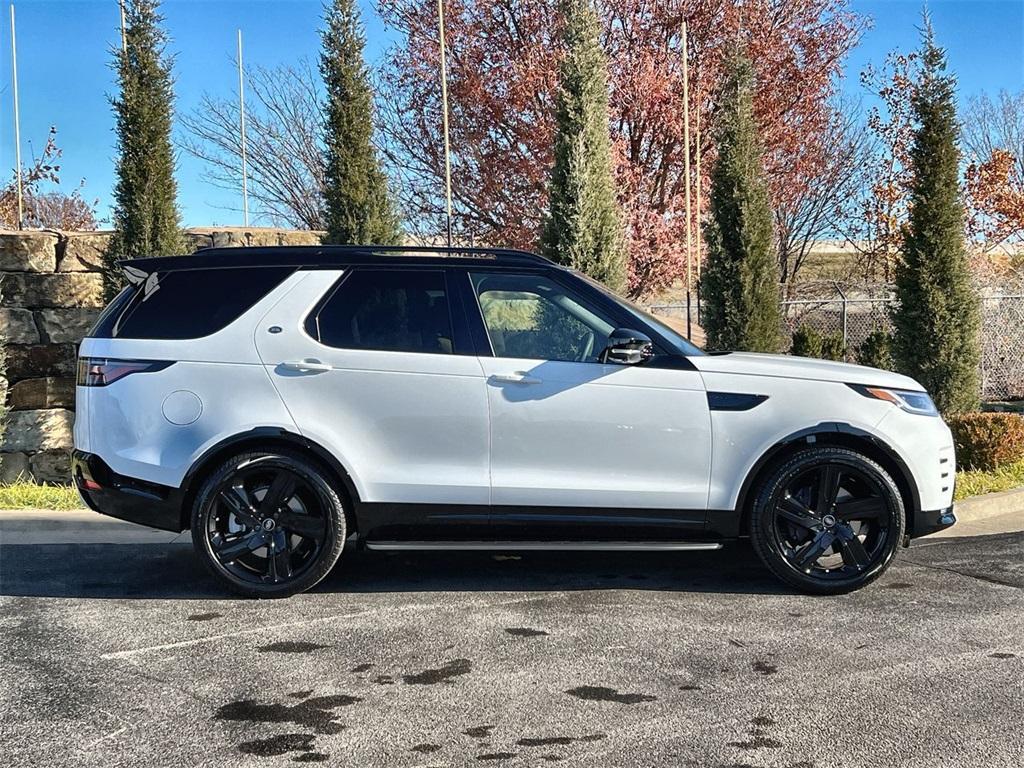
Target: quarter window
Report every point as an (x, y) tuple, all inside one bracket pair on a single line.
[(187, 304), (532, 316), (388, 310)]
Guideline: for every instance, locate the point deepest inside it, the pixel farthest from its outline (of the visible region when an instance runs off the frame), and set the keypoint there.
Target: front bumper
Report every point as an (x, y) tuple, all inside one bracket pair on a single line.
[(925, 522), (135, 501)]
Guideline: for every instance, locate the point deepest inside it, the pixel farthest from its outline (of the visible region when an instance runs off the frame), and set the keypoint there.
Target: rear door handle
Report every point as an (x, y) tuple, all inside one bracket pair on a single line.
[(519, 377), (308, 364)]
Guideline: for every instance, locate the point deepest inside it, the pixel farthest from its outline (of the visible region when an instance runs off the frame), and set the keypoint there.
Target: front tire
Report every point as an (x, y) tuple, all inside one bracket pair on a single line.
[(268, 524), (827, 520)]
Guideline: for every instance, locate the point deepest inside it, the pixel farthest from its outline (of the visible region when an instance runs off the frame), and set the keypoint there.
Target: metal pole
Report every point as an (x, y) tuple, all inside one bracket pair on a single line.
[(17, 122), (124, 34), (842, 295), (697, 184), (700, 236), (241, 123), (686, 175), (444, 120)]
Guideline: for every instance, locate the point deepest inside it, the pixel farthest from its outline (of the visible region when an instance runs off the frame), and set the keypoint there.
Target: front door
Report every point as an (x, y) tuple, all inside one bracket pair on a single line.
[(376, 372), (581, 448)]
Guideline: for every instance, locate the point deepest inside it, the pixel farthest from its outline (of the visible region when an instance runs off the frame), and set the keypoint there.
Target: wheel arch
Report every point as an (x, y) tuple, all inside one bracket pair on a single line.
[(263, 438), (838, 434)]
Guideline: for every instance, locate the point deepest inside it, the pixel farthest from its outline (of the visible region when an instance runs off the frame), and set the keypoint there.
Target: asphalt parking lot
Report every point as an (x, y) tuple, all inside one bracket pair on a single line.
[(127, 654)]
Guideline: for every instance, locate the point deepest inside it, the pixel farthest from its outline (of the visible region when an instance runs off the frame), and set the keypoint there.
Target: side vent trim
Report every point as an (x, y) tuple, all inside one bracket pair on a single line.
[(734, 401)]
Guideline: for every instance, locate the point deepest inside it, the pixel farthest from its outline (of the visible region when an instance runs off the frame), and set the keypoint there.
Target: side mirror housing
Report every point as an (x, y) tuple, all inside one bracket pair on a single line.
[(627, 347)]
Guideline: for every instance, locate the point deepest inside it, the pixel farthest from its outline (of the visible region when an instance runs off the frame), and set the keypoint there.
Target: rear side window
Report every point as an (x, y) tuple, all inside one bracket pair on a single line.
[(388, 310), (187, 304)]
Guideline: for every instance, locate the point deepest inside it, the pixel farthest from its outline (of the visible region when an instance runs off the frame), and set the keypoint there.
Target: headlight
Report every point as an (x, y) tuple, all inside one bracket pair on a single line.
[(908, 400)]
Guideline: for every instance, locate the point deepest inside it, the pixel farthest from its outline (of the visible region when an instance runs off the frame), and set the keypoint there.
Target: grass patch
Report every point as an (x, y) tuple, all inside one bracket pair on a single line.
[(975, 483), (58, 497), (32, 496)]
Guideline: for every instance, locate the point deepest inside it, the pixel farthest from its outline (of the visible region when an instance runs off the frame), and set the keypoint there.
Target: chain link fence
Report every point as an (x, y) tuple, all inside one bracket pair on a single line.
[(852, 315)]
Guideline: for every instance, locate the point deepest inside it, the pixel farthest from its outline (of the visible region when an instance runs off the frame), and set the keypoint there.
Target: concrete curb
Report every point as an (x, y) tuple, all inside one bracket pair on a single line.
[(977, 508)]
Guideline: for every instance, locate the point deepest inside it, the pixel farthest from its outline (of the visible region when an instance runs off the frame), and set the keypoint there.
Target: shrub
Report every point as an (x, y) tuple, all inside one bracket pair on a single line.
[(936, 317), (740, 286), (833, 347), (985, 441), (807, 342), (876, 350)]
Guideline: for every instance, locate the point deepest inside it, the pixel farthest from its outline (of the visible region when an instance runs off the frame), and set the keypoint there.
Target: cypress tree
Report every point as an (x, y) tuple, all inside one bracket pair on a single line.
[(936, 318), (145, 211), (583, 228), (357, 204), (740, 285)]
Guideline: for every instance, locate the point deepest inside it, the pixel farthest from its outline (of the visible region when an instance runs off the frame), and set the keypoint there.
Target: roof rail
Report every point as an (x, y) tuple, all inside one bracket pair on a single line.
[(323, 256)]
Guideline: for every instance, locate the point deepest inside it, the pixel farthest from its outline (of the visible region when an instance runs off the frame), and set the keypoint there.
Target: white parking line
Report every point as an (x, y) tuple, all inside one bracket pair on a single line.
[(306, 622)]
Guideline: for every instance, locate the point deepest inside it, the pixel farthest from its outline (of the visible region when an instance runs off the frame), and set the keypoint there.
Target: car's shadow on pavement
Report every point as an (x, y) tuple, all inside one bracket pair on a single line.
[(172, 571)]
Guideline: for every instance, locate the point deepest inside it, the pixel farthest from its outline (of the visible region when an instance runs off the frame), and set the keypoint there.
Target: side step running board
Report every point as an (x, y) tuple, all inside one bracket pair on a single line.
[(563, 546)]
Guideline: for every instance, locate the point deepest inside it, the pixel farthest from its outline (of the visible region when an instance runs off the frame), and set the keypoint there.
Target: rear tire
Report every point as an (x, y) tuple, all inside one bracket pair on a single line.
[(827, 520), (268, 523)]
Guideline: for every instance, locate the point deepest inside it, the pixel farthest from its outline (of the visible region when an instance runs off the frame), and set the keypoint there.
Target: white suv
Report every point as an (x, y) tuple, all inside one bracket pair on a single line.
[(280, 401)]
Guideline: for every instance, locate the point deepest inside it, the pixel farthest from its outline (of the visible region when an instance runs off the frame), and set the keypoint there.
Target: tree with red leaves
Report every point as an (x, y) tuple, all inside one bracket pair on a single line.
[(503, 71)]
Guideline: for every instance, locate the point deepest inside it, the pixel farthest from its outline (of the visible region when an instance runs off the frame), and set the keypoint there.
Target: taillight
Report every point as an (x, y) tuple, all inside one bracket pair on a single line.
[(98, 371)]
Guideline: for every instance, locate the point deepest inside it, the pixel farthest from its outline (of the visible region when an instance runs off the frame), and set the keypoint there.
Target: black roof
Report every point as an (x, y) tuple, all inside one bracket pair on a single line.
[(327, 256)]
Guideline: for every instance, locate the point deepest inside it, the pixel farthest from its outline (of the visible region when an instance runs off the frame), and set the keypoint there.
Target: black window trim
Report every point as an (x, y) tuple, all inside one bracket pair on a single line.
[(461, 345)]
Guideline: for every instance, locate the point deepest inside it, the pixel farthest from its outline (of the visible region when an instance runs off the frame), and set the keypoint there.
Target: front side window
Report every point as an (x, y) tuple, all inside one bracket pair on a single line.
[(533, 317), (682, 344), (387, 310)]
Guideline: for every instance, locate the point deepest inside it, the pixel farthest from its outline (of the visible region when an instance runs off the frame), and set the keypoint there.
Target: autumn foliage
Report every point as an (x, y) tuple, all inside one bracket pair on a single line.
[(995, 187), (503, 65), (45, 206)]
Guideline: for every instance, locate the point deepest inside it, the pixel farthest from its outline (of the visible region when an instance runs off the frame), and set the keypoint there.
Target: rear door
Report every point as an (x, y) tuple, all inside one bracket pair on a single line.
[(374, 365), (582, 449)]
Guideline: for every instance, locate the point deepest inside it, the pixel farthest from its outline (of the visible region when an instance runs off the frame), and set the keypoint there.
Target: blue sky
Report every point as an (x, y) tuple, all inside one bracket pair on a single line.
[(64, 73)]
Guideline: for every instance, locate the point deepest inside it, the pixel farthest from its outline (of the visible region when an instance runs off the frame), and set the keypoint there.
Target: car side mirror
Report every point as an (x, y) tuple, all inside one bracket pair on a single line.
[(627, 347)]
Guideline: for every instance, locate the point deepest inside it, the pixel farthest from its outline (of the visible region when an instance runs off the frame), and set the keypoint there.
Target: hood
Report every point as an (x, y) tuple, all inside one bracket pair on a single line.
[(788, 367)]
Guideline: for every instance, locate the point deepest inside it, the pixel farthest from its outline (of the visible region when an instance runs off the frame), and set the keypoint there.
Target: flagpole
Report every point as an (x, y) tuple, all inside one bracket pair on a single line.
[(241, 123), (444, 121), (686, 176), (697, 240), (17, 121), (124, 34)]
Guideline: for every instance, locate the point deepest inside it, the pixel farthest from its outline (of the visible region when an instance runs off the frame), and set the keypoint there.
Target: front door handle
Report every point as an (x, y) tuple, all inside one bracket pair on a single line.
[(308, 365), (519, 377)]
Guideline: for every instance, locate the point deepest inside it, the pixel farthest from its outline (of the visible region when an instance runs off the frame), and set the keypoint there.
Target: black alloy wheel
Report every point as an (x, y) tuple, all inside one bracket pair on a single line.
[(828, 520), (269, 524)]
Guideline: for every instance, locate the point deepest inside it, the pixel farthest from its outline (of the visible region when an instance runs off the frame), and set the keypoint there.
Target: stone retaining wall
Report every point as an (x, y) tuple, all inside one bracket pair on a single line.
[(51, 291)]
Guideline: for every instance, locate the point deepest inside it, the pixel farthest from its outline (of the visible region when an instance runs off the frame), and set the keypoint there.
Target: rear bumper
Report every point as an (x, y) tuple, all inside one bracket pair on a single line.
[(135, 501), (925, 523)]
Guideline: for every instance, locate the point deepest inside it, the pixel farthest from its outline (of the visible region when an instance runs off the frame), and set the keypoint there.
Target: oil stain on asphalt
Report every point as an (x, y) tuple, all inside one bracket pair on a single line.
[(426, 749), (291, 647), (764, 667), (758, 737), (561, 741), (479, 731), (316, 714), (525, 632), (598, 693), (204, 616), (444, 674), (278, 745)]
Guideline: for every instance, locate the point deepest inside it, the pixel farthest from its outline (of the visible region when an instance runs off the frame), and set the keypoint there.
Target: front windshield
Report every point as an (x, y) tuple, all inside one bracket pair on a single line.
[(682, 345)]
